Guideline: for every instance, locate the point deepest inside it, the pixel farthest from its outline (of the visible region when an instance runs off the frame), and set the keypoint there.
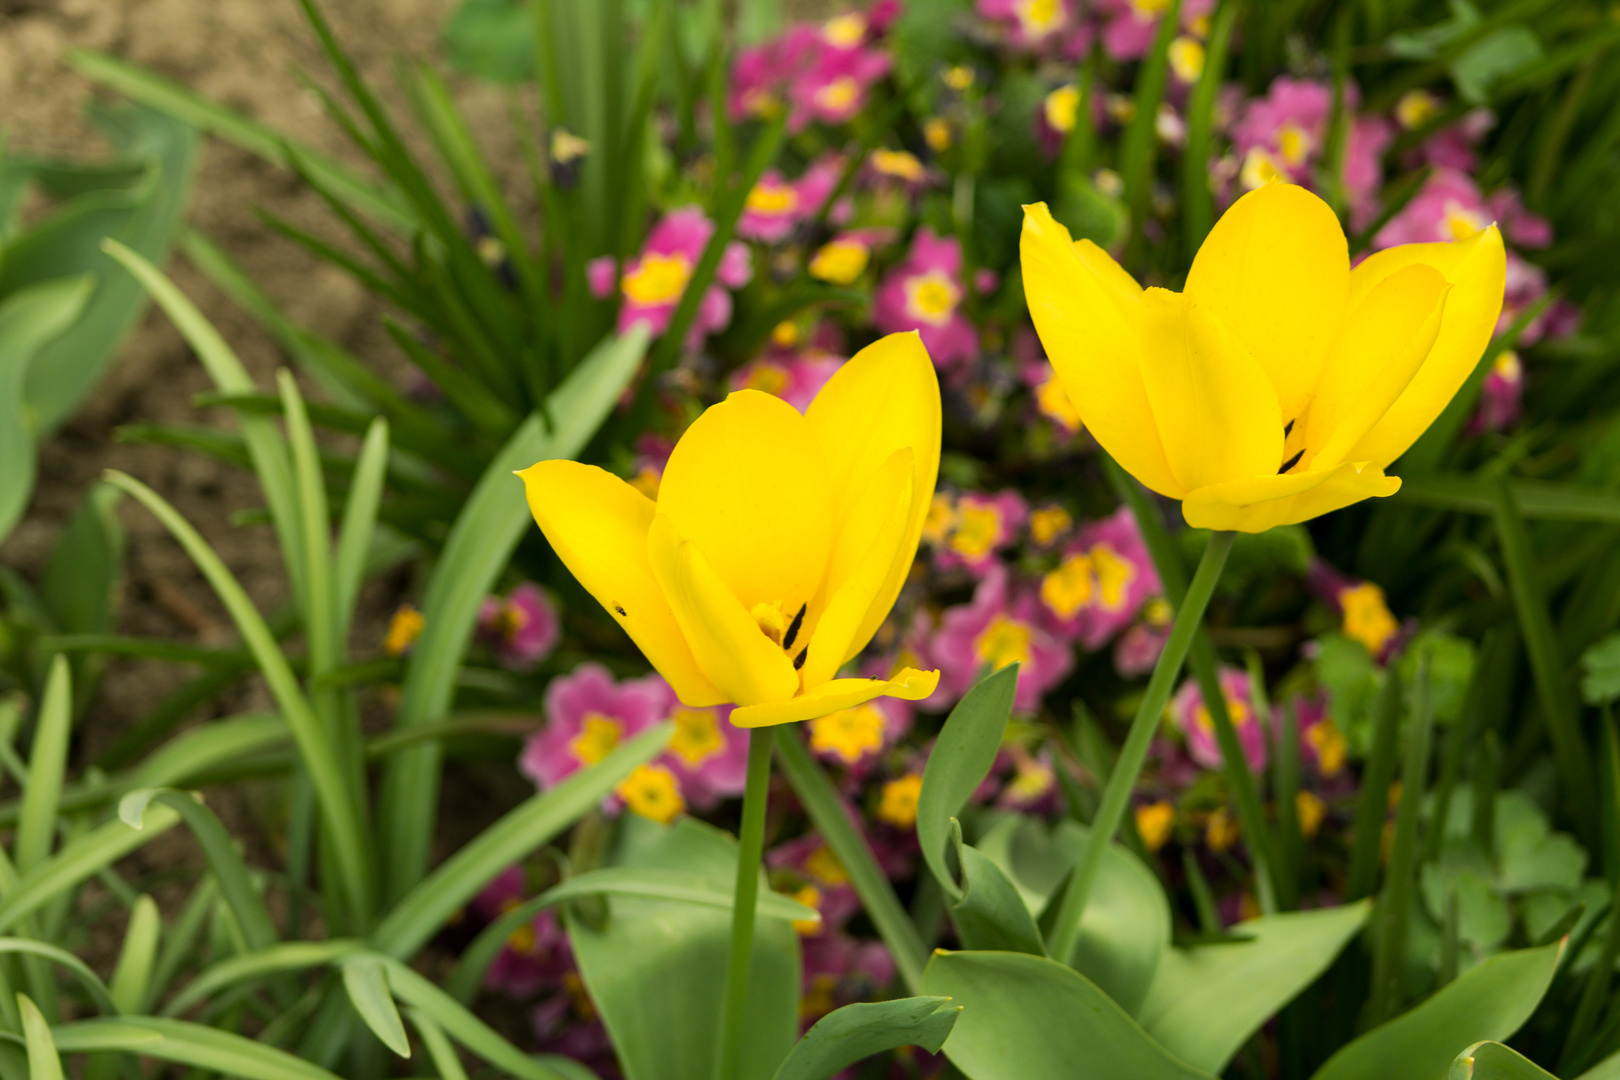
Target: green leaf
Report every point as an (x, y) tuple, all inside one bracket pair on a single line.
[(1126, 927), (86, 568), (132, 978), (78, 968), (43, 1064), (188, 1044), (367, 987), (656, 970), (1490, 1001), (201, 748), (991, 914), (523, 830), (675, 885), (1600, 671), (1028, 1018), (36, 824), (1205, 1003), (961, 759), (246, 967), (79, 859), (857, 1032), (1493, 1061), (29, 319), (1542, 500), (493, 39), (439, 1049), (359, 524), (1607, 1069), (1508, 50)]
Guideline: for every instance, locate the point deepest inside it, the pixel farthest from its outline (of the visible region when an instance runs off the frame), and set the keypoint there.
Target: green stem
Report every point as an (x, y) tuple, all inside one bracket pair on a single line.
[(1116, 796), (750, 846)]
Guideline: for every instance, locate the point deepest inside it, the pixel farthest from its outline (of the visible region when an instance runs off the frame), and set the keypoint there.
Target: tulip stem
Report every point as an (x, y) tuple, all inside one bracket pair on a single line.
[(1117, 793), (750, 847)]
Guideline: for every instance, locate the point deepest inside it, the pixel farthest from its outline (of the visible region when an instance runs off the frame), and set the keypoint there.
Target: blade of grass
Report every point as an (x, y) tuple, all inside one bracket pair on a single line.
[(1372, 807), (132, 977), (1140, 142), (77, 860), (1197, 200), (47, 760), (359, 522)]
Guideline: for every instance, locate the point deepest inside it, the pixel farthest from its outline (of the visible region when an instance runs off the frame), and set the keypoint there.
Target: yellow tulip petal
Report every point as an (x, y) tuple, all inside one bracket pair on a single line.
[(747, 485), (1476, 268), (885, 399), (1385, 341), (597, 524), (1092, 342), (830, 697), (874, 530), (1265, 502), (1276, 270), (746, 666), (1214, 407)]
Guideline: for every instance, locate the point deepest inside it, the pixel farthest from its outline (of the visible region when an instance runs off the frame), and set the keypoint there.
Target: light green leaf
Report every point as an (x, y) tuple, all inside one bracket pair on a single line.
[(958, 764), (43, 1064), (188, 1044), (367, 987), (1028, 1018), (287, 956), (201, 748), (438, 1046), (493, 39), (79, 859), (1491, 1001), (1205, 1002), (132, 978), (359, 523), (857, 1032), (86, 567), (36, 824), (1607, 1069), (1493, 1061), (1600, 671), (677, 886), (657, 970), (1492, 59), (78, 968), (991, 914)]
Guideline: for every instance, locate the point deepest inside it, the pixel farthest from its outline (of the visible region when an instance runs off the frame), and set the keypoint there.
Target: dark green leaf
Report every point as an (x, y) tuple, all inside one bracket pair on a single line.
[(961, 759), (856, 1032)]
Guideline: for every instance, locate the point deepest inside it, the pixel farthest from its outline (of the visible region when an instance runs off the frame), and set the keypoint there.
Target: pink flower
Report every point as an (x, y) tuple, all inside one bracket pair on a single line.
[(1282, 133), (924, 293), (836, 84), (1322, 745), (1449, 207), (841, 970), (1364, 150), (1034, 25), (588, 714), (652, 284), (706, 753), (1138, 648), (775, 206), (1104, 579), (1452, 147), (537, 954), (523, 626), (1501, 396), (999, 627), (1195, 722), (1130, 25), (794, 379), (760, 73), (1519, 225), (983, 525)]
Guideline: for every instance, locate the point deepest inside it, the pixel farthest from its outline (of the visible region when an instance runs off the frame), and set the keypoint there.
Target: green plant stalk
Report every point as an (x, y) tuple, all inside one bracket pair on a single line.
[(1395, 906), (750, 848), (1116, 796), (1370, 809), (1141, 136), (1198, 202)]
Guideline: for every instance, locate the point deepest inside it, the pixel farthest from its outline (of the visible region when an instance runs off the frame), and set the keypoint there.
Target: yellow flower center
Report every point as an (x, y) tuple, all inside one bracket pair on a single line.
[(1048, 523), (1187, 58), (849, 733), (761, 103), (1149, 9), (510, 621), (1068, 588), (1310, 810), (840, 262), (1039, 17), (1236, 711), (646, 481), (772, 198), (653, 792), (844, 31), (937, 134), (657, 279), (1154, 823), (1294, 143), (899, 164), (523, 941), (1367, 618), (958, 77), (809, 896), (1507, 366), (597, 737), (785, 333), (898, 803), (1222, 830), (403, 630), (1328, 742), (768, 377), (1062, 108), (1114, 576), (1415, 108), (840, 94), (823, 864), (1032, 780), (697, 735), (1259, 169), (932, 297), (1004, 641), (940, 520), (1157, 612), (977, 530), (1462, 222)]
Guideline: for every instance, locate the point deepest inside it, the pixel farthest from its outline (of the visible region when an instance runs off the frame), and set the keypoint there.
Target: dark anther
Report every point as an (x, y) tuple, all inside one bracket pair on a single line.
[(1291, 462), (1288, 429), (793, 628), (620, 610), (798, 661)]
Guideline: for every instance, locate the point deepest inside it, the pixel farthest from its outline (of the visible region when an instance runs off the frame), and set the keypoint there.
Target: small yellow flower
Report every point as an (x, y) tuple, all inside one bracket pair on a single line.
[(772, 197), (1005, 641), (403, 630), (810, 897), (1310, 810), (839, 95), (1069, 588), (1329, 743), (1367, 618), (844, 31), (1062, 108), (958, 78), (898, 803), (1295, 144), (697, 735), (1415, 108), (849, 733), (1037, 18), (657, 279), (824, 865), (1222, 831), (1047, 523), (566, 147), (899, 164), (1154, 824), (1260, 169), (778, 543), (978, 529), (1187, 58), (785, 334), (937, 134), (1280, 383), (653, 792), (941, 519), (598, 735), (840, 262)]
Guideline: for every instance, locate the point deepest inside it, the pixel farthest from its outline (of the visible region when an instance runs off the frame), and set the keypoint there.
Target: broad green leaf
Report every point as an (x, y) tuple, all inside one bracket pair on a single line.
[(188, 1044), (367, 986), (675, 885), (991, 914), (1126, 928), (857, 1032), (43, 1064), (1491, 1001), (86, 567), (29, 319), (656, 971), (1497, 56), (1205, 1002), (1028, 1018), (958, 764), (1607, 1069), (488, 528), (47, 759), (132, 978), (79, 859), (517, 835), (1493, 1061), (493, 39)]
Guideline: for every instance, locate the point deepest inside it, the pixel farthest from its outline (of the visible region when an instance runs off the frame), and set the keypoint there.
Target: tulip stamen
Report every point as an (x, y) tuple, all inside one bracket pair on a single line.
[(793, 627), (1288, 428), (1291, 462), (798, 661)]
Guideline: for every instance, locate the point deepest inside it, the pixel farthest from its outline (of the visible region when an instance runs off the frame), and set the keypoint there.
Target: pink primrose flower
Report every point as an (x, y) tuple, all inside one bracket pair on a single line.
[(924, 293), (775, 206), (998, 627), (1032, 26), (1501, 396), (1281, 134), (1194, 721), (1103, 581), (1137, 650), (588, 714), (1129, 26), (652, 283), (796, 379), (537, 954), (982, 526), (836, 84), (523, 626), (706, 753)]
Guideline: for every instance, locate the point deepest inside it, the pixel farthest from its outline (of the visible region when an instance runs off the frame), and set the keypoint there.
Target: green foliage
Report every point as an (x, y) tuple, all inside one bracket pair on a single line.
[(848, 1035)]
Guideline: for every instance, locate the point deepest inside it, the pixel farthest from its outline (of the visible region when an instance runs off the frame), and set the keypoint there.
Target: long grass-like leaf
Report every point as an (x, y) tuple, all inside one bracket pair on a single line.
[(93, 986), (1372, 805), (202, 1047), (132, 977), (77, 860), (1400, 883), (36, 824), (359, 522), (1197, 199), (255, 966), (1137, 149), (43, 1062)]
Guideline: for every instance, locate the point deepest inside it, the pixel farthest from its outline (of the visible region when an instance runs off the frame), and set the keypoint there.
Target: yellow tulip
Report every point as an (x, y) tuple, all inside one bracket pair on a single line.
[(1281, 384), (777, 544)]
